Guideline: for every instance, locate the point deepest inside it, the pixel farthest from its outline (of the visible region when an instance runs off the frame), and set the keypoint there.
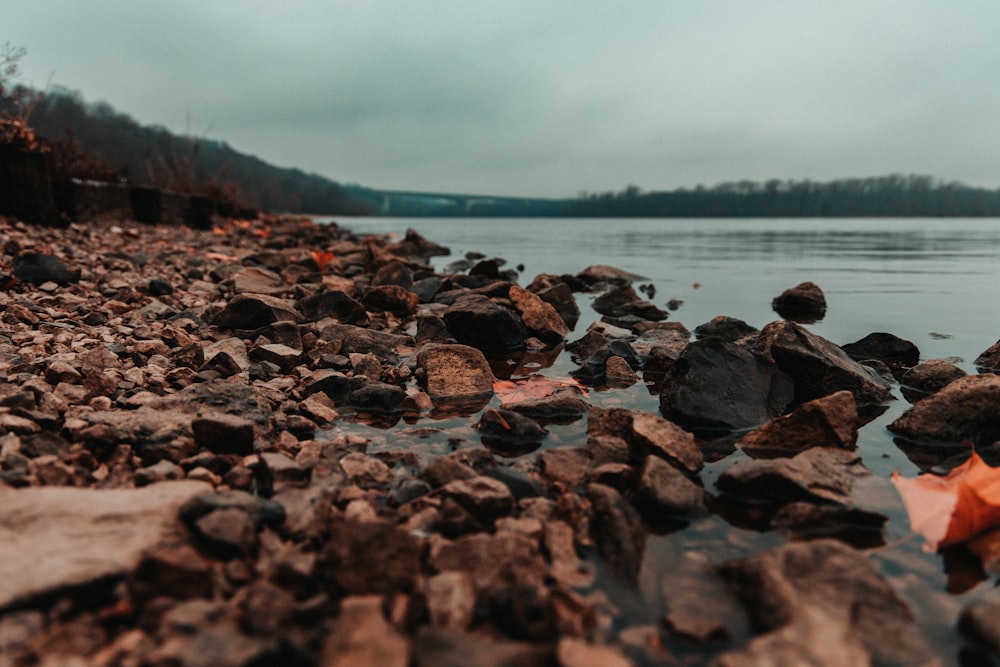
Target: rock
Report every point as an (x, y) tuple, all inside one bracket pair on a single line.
[(392, 299), (505, 429), (36, 268), (253, 311), (618, 374), (451, 600), (807, 521), (821, 603), (365, 471), (58, 538), (562, 403), (978, 622), (357, 340), (335, 304), (663, 489), (284, 357), (965, 411), (594, 369), (831, 421), (228, 532), (990, 359), (602, 273), (932, 376), (718, 386), (647, 434), (362, 636), (485, 498), (257, 280), (540, 318), (560, 296), (617, 532), (450, 648), (576, 652), (171, 570), (490, 560), (224, 434), (817, 474), (378, 397), (479, 322), (454, 372), (370, 557), (725, 328), (817, 366), (803, 303), (623, 300), (892, 350)]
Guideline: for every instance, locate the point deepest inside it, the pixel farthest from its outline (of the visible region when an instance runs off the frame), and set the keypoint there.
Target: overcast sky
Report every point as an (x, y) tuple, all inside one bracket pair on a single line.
[(546, 98)]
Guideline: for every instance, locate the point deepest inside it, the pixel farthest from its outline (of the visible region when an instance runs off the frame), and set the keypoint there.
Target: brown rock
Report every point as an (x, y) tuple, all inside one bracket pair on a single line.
[(253, 311), (53, 538), (663, 489), (490, 560), (803, 303), (450, 648), (172, 570), (224, 434), (990, 358), (365, 557), (617, 531), (576, 652), (454, 372), (451, 600), (257, 280), (539, 317), (618, 374), (486, 498), (362, 636), (931, 376), (820, 473), (647, 434), (831, 421), (964, 411)]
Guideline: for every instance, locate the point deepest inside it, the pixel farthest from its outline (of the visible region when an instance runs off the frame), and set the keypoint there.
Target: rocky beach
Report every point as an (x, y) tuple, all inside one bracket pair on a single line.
[(189, 475)]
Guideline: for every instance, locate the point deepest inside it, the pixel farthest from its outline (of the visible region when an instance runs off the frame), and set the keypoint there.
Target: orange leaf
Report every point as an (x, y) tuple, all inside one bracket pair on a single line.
[(321, 258), (263, 233), (533, 386), (954, 507)]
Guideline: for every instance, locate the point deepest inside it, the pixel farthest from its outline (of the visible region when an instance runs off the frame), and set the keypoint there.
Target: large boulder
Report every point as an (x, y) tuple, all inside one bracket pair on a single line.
[(817, 366), (480, 322), (965, 411), (718, 385)]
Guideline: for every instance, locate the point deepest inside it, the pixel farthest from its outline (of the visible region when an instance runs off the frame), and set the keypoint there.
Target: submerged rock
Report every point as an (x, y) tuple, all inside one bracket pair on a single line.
[(965, 411)]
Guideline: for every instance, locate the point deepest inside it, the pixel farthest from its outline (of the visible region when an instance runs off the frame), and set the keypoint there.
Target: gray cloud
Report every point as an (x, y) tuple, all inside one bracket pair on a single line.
[(545, 97)]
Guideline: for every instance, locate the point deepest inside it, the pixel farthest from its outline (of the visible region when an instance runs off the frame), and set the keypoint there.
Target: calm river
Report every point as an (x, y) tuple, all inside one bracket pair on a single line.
[(931, 281)]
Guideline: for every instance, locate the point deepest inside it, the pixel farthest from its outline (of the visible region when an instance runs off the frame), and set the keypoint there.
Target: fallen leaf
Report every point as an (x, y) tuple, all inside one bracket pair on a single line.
[(321, 258), (955, 507), (533, 386), (264, 233)]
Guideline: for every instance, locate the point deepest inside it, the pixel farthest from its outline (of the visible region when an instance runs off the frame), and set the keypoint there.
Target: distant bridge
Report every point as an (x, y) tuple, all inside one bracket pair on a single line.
[(406, 202)]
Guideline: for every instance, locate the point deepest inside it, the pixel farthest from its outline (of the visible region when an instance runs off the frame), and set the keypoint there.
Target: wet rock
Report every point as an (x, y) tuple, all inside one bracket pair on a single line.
[(560, 296), (965, 411), (378, 397), (807, 521), (224, 434), (57, 538), (564, 402), (990, 359), (508, 429), (617, 532), (821, 603), (365, 471), (335, 304), (890, 349), (978, 622), (479, 322), (623, 300), (929, 377), (831, 421), (725, 328), (415, 245), (647, 434), (253, 311), (817, 366), (454, 372), (817, 474), (392, 299), (354, 339), (594, 369), (36, 268), (803, 303), (719, 386), (361, 635), (618, 374), (487, 499), (663, 489), (540, 318), (602, 273)]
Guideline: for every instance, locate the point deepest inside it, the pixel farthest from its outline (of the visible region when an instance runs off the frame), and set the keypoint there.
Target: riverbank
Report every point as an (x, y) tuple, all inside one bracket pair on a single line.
[(183, 484)]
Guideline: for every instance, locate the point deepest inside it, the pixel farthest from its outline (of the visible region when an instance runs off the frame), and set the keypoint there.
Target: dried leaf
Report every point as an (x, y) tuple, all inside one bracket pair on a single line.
[(264, 233), (533, 386), (955, 507), (321, 258)]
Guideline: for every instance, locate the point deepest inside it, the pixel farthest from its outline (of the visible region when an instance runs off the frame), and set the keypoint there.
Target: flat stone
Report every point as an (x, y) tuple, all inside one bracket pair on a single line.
[(454, 372), (257, 280), (253, 311), (52, 538)]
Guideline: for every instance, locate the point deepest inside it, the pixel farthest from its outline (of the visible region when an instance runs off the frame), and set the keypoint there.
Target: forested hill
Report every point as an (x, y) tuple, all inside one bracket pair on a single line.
[(882, 196), (104, 141)]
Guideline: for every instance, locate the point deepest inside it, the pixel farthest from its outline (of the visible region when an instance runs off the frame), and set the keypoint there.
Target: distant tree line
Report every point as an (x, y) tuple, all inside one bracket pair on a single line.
[(96, 141), (883, 196)]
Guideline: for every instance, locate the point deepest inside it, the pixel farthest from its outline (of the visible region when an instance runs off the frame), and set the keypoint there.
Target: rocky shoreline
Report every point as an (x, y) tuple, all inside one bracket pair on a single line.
[(180, 483)]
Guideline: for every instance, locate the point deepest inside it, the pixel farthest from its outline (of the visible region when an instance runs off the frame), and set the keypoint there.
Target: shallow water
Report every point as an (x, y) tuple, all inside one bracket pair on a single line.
[(931, 281)]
